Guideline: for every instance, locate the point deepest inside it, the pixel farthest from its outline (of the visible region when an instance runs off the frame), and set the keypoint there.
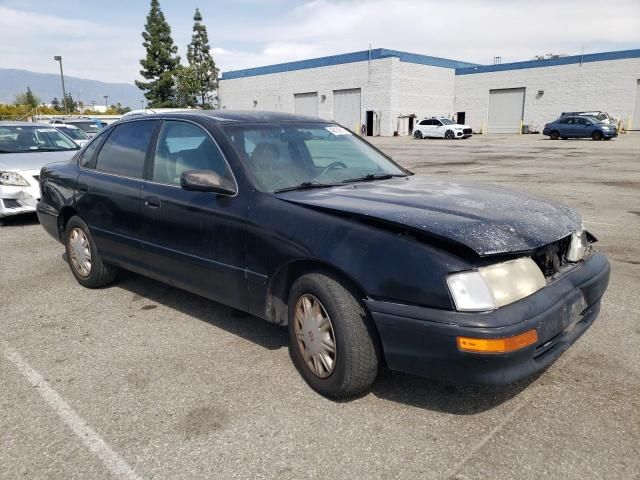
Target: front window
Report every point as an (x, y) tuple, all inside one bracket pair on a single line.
[(75, 133), (27, 138), (298, 155), (88, 126)]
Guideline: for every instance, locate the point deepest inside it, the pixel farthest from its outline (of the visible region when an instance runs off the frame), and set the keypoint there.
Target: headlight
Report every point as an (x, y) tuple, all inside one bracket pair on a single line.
[(13, 178), (579, 245), (496, 285)]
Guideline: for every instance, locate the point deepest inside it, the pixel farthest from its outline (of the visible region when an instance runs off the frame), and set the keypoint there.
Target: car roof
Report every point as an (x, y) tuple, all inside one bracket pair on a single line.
[(224, 116), (7, 123), (64, 125)]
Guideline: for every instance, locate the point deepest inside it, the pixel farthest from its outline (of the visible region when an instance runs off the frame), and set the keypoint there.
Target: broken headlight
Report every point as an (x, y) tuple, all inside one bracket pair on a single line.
[(579, 245), (488, 288), (13, 179)]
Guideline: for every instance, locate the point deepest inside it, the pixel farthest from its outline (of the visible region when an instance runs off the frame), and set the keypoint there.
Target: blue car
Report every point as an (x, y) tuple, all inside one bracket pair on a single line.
[(579, 127)]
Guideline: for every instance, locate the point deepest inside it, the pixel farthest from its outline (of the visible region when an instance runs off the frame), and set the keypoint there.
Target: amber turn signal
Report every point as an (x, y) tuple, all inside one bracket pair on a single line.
[(497, 345)]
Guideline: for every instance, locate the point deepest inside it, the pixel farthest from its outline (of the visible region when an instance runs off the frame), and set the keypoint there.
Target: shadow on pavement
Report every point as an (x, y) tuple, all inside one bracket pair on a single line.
[(393, 386), (22, 220), (254, 329)]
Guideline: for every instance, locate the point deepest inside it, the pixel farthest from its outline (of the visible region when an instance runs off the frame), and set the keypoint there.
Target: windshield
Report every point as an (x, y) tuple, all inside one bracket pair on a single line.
[(88, 126), (295, 155), (17, 139), (446, 121), (74, 133)]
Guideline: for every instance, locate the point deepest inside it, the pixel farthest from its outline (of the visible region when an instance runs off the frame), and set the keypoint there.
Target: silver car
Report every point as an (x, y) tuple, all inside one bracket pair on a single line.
[(77, 135), (24, 149)]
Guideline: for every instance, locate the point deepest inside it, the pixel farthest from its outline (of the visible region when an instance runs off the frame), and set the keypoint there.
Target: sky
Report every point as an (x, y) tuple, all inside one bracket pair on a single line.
[(101, 40)]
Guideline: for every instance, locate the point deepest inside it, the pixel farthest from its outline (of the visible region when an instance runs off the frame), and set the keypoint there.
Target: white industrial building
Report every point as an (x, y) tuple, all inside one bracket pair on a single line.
[(381, 92)]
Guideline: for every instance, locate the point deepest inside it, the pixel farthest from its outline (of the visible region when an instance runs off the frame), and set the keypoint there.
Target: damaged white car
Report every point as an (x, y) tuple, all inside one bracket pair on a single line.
[(24, 149)]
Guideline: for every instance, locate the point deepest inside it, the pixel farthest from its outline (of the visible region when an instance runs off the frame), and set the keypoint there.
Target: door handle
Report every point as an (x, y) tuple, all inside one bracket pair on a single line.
[(152, 202)]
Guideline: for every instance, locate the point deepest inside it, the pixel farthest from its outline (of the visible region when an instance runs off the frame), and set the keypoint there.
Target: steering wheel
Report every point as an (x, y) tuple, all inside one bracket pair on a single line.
[(331, 166)]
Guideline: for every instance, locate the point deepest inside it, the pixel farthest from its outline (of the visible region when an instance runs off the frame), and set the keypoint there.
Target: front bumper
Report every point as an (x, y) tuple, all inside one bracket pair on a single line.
[(422, 341), (15, 200)]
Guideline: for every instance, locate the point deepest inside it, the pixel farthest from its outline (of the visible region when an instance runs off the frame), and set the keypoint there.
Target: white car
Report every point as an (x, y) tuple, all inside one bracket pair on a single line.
[(24, 149), (441, 128), (77, 135)]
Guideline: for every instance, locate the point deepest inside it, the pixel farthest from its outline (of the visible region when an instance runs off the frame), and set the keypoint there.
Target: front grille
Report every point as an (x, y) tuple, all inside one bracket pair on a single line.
[(551, 258), (467, 131), (10, 203)]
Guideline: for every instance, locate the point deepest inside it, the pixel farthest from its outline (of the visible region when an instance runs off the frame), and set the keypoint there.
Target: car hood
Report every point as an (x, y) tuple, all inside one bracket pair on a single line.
[(487, 219), (32, 160)]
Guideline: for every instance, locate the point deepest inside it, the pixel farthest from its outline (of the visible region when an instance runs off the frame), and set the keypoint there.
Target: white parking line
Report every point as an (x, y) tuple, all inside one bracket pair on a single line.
[(89, 437)]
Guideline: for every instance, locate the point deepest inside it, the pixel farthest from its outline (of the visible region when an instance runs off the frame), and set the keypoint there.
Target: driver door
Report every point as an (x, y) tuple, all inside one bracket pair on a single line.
[(194, 240)]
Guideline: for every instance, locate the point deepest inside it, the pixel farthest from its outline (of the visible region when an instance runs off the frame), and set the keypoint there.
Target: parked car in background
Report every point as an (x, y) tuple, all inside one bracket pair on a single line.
[(603, 117), (300, 222), (151, 111), (441, 128), (76, 134), (90, 126), (24, 149), (579, 127)]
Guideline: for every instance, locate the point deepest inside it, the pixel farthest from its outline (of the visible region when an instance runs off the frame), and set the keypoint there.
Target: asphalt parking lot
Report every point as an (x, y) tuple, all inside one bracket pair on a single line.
[(140, 380)]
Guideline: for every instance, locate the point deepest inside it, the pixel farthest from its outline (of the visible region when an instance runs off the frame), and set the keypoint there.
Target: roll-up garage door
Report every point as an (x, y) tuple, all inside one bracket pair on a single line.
[(635, 123), (306, 103), (506, 109), (346, 108)]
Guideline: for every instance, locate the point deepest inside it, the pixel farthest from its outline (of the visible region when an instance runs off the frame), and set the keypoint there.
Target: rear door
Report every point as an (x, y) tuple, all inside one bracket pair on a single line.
[(566, 127), (194, 240), (108, 190), (583, 127)]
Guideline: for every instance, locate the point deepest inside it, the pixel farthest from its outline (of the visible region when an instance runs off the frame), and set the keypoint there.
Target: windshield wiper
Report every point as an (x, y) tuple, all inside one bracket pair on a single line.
[(373, 176), (306, 186)]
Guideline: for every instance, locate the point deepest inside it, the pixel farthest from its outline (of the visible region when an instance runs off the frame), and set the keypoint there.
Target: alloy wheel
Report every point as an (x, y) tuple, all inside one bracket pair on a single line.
[(315, 337)]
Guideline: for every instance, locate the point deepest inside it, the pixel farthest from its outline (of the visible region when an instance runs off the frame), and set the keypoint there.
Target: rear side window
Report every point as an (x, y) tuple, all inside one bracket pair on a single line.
[(124, 151), (183, 146)]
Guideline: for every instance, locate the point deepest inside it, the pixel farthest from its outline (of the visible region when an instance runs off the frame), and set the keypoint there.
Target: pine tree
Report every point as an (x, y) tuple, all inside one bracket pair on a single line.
[(161, 61), (200, 60), (55, 104), (27, 98)]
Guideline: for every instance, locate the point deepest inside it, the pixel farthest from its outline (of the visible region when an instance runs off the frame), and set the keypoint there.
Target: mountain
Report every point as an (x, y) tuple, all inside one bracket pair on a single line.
[(47, 85)]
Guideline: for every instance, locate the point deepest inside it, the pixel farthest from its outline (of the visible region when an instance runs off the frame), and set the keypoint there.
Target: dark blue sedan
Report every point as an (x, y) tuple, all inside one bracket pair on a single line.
[(301, 222), (580, 127)]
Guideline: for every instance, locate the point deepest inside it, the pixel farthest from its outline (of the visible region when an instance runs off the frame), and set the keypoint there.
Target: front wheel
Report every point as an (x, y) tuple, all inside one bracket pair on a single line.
[(331, 339), (449, 135), (417, 135), (86, 265), (597, 135)]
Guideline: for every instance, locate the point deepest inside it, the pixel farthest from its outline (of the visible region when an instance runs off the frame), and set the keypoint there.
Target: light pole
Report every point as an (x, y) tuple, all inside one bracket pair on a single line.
[(58, 58), (106, 102), (142, 104)]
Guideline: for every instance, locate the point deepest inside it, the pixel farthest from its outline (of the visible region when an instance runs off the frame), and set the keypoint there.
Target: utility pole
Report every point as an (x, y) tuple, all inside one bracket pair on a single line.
[(58, 58), (106, 101)]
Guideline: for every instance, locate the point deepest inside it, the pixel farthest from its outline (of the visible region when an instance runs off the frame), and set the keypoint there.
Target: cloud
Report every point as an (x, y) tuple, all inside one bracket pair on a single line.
[(251, 33)]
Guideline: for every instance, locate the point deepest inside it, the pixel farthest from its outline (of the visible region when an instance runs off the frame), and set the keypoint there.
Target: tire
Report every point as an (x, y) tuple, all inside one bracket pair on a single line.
[(564, 138), (554, 135), (449, 135), (597, 135), (79, 245), (417, 135), (352, 367)]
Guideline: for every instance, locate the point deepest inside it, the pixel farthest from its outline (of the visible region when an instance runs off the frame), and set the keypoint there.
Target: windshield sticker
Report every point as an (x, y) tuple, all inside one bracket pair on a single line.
[(338, 130)]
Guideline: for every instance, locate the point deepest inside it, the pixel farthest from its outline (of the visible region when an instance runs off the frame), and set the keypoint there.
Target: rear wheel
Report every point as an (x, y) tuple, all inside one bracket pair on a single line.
[(417, 135), (449, 135), (597, 135), (331, 339), (554, 135), (86, 265)]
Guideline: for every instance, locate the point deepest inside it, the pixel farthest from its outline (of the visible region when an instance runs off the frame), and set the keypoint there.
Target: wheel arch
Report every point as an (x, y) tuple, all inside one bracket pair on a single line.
[(276, 310), (63, 218)]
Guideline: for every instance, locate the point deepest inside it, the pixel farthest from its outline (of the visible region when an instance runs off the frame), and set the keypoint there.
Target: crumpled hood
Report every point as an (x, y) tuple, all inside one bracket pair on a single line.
[(485, 218), (32, 160)]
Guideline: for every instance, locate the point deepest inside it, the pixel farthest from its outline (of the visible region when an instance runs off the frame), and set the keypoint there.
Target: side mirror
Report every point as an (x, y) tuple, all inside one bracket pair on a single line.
[(206, 181)]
